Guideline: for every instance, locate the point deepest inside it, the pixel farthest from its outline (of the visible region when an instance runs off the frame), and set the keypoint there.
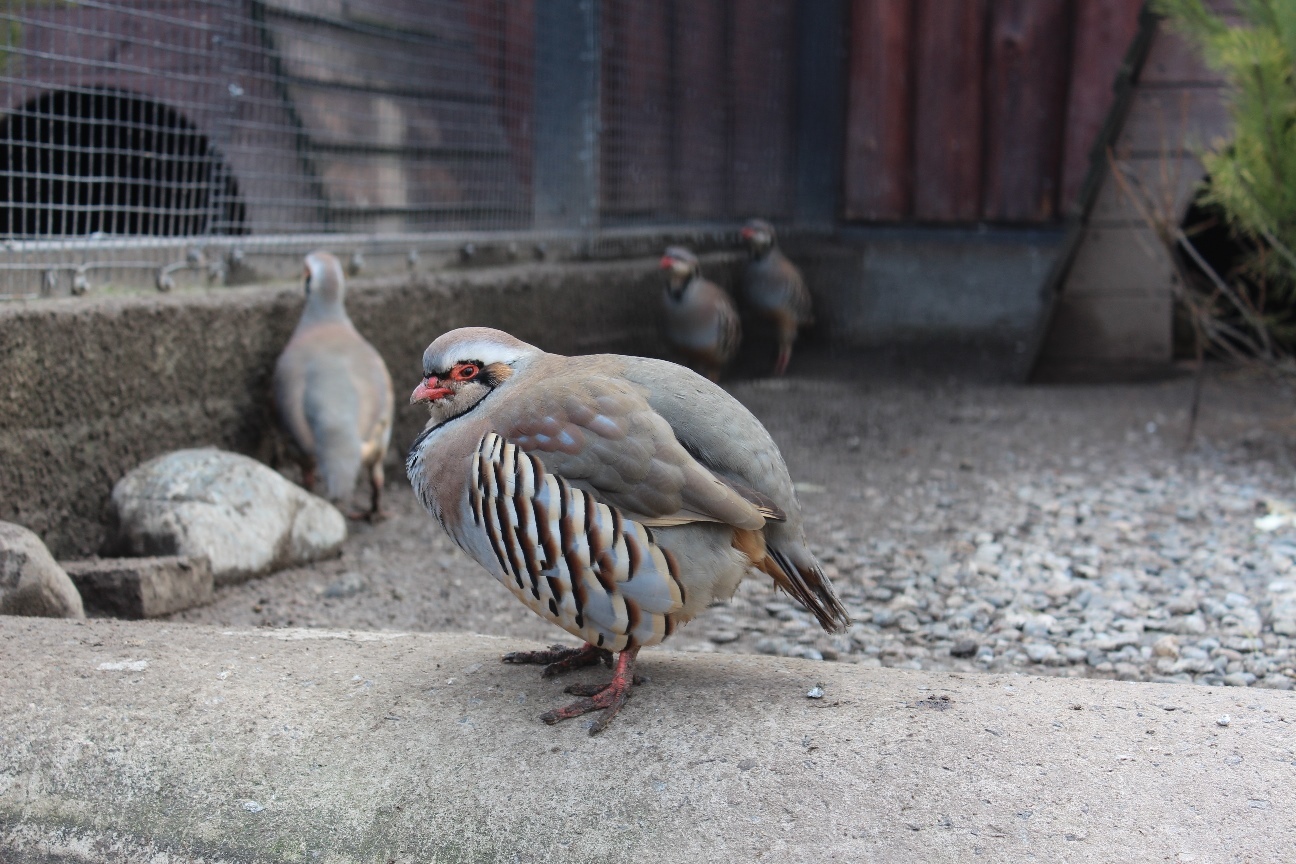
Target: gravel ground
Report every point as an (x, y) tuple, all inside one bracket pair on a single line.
[(968, 525)]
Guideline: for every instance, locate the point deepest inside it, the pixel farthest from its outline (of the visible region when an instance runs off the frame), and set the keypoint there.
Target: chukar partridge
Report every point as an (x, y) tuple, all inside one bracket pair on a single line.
[(615, 496), (774, 288), (701, 321), (333, 392)]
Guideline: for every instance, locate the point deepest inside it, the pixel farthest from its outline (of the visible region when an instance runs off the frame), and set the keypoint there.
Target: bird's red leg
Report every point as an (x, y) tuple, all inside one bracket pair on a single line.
[(559, 658), (376, 513), (607, 699), (784, 355)]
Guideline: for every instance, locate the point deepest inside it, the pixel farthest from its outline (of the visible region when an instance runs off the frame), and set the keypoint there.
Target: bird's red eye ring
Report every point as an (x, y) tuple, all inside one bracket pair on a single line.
[(464, 372)]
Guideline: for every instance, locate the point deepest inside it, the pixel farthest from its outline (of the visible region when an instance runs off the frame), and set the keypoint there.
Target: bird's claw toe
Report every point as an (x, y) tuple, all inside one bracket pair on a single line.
[(606, 698), (558, 659)]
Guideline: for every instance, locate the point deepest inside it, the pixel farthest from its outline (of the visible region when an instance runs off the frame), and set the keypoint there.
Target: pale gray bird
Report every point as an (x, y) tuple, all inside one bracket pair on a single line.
[(701, 321), (616, 497), (773, 286), (333, 392)]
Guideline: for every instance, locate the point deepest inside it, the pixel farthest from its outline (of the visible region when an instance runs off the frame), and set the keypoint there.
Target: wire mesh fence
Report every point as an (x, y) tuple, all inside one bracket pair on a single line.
[(130, 129)]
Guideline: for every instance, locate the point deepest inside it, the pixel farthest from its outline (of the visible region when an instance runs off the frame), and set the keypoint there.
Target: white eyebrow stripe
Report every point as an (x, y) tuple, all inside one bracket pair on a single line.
[(485, 353)]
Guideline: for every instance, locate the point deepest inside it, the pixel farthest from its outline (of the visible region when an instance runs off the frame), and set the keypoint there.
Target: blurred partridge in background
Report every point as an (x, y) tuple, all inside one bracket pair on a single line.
[(701, 321), (616, 497), (774, 288), (333, 392)]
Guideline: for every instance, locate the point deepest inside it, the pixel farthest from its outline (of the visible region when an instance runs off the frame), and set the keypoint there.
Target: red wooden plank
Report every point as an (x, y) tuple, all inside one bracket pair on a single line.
[(948, 120), (636, 139), (701, 92), (1103, 30), (878, 170), (1025, 104), (764, 64)]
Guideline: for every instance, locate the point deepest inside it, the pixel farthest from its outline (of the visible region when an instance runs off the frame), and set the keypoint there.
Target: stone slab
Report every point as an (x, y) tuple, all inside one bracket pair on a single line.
[(142, 587), (132, 742)]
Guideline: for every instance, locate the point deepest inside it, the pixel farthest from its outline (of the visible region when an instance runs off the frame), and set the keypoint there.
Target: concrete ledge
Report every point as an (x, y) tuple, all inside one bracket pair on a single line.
[(144, 742)]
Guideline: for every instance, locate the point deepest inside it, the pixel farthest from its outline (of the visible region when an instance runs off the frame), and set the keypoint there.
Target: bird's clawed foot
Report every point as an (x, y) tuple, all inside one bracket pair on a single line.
[(373, 517), (607, 698), (559, 658)]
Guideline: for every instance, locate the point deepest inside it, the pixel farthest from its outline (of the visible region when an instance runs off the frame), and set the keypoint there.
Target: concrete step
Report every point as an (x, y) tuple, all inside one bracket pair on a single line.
[(140, 741)]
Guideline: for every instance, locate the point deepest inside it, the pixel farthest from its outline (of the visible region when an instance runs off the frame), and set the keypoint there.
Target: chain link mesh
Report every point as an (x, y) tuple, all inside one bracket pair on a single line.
[(129, 127)]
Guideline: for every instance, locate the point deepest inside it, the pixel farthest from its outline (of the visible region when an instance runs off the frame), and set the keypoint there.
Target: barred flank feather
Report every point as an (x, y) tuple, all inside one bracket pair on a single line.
[(569, 558)]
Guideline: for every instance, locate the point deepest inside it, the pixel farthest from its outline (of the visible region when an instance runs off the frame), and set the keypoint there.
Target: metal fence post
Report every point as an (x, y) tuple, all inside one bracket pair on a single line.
[(821, 99), (567, 123)]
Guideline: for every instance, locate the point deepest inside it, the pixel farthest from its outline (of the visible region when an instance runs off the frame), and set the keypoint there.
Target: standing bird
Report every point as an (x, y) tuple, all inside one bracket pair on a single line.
[(701, 321), (616, 497), (774, 287), (333, 392)]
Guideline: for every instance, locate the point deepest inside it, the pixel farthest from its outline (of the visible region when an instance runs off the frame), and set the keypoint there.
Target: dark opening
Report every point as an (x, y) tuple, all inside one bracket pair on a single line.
[(1239, 263), (112, 162)]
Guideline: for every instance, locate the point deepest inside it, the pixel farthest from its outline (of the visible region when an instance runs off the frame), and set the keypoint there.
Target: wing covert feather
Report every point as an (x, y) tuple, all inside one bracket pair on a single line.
[(601, 434)]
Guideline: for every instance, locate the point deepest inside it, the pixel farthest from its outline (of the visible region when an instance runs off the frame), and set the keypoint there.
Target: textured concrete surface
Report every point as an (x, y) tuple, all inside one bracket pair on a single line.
[(94, 386), (149, 742)]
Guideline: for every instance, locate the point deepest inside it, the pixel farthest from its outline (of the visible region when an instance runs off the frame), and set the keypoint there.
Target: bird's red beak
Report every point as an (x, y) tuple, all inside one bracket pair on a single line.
[(666, 263), (746, 233), (429, 390)]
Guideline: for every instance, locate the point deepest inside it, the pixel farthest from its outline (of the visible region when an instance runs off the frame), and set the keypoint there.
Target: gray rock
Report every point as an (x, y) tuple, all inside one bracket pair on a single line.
[(348, 584), (1278, 682), (142, 587), (1239, 679), (31, 583), (1041, 652), (1282, 606), (245, 519)]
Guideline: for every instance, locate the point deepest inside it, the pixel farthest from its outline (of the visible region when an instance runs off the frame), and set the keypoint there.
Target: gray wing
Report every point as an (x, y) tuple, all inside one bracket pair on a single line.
[(729, 441), (600, 433), (715, 428)]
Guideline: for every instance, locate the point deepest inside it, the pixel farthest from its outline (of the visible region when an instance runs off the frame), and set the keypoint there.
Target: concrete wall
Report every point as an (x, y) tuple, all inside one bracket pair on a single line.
[(881, 286), (1113, 316), (96, 385)]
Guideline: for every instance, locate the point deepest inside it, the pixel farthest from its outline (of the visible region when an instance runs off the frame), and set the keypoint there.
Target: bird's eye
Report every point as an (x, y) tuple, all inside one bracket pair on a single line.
[(464, 371)]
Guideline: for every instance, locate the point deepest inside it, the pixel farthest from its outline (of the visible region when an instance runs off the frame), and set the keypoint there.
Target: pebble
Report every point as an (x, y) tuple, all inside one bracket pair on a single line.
[(1223, 720), (1041, 652)]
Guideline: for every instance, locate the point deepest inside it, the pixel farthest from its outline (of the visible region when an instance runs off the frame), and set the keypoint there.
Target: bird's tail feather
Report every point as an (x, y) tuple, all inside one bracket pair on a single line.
[(805, 581), (797, 574)]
